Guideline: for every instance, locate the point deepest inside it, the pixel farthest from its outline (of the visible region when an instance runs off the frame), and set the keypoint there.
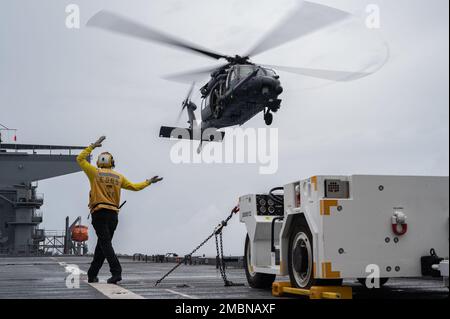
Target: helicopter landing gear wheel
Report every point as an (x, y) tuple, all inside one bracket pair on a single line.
[(268, 118)]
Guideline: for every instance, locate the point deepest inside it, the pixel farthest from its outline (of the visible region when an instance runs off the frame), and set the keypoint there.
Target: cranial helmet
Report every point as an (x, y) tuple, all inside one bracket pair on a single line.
[(105, 160)]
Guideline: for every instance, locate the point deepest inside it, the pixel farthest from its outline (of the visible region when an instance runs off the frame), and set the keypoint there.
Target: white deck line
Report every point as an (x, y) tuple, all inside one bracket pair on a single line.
[(109, 290), (115, 292), (181, 294)]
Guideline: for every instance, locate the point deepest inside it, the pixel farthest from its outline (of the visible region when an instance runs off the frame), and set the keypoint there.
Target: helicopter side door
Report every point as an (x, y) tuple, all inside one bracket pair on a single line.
[(209, 108)]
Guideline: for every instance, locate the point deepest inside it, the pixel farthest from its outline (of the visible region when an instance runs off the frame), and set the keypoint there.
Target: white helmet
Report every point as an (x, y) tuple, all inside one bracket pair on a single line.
[(105, 160)]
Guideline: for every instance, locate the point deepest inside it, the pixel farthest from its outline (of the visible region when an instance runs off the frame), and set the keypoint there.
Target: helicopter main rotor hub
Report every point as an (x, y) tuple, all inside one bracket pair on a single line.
[(237, 59)]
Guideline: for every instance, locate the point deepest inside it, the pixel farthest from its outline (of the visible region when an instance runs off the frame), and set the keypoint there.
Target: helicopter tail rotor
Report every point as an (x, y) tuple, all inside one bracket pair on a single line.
[(190, 107)]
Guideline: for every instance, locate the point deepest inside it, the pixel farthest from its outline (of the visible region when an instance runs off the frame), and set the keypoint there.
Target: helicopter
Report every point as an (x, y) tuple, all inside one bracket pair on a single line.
[(239, 89)]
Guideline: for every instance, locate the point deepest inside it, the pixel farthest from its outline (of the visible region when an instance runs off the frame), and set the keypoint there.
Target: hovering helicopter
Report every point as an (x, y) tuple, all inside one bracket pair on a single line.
[(239, 89)]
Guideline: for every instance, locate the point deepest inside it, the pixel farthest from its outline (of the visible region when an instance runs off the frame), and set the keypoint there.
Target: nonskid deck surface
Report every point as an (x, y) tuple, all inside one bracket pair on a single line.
[(45, 277)]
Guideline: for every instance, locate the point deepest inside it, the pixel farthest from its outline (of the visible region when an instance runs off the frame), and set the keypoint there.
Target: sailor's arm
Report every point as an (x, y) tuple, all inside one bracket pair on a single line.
[(84, 164), (82, 158), (126, 184)]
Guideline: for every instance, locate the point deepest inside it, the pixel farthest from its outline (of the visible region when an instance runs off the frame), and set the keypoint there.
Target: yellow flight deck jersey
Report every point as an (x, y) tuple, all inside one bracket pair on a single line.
[(105, 184)]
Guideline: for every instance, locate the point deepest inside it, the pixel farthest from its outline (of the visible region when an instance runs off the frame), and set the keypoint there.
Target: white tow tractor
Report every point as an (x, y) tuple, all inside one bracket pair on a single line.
[(324, 229)]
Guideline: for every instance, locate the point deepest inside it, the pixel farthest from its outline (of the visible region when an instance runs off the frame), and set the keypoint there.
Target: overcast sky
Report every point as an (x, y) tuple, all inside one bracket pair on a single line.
[(67, 87)]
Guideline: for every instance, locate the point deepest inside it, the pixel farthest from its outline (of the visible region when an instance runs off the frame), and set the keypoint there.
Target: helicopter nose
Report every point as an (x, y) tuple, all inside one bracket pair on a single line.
[(279, 89), (265, 90), (271, 86), (270, 91)]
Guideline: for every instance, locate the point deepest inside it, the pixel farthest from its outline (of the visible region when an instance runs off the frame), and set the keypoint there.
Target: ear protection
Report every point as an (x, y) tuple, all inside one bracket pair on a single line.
[(105, 160)]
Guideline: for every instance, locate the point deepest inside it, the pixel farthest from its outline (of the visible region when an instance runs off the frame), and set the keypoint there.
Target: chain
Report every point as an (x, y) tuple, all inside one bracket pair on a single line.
[(217, 231), (219, 259), (184, 259), (221, 263)]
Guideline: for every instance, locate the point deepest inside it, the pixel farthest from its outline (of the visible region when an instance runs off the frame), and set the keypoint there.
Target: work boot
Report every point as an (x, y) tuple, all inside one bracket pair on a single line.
[(114, 279), (93, 280)]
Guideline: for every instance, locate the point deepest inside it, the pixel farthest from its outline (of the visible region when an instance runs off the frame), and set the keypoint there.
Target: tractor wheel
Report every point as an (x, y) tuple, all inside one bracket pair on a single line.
[(255, 280), (300, 257), (301, 261)]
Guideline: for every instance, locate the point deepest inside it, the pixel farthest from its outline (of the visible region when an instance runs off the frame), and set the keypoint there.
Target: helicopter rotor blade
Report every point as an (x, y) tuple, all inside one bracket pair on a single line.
[(191, 90), (183, 107), (112, 22), (307, 18), (189, 76), (331, 75), (179, 115)]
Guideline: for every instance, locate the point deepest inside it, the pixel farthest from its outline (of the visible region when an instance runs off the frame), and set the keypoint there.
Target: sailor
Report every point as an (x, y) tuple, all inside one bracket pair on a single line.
[(104, 201)]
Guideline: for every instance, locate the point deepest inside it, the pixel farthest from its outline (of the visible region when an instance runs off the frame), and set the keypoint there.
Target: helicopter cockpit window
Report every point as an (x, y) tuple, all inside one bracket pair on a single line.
[(245, 70), (232, 77), (269, 72)]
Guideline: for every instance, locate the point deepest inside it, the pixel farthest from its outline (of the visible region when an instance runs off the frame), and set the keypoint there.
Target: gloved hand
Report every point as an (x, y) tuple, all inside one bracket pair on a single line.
[(154, 179), (99, 142)]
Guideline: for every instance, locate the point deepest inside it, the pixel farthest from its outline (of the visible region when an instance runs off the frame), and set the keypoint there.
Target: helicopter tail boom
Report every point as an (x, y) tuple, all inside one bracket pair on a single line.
[(196, 134)]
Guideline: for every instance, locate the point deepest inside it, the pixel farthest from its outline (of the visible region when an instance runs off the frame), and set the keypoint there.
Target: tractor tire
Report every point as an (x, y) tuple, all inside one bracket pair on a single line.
[(300, 260), (254, 279), (300, 257)]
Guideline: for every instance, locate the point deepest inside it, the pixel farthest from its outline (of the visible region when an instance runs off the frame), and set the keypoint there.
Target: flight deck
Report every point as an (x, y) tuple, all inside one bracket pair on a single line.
[(45, 277)]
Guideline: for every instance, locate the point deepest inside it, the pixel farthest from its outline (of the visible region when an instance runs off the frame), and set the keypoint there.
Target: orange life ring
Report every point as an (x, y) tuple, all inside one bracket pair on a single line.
[(80, 233)]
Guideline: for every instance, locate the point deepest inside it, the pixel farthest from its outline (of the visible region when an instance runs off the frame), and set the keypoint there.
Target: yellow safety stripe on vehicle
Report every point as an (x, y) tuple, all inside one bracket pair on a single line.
[(325, 206), (314, 182), (328, 273), (314, 270)]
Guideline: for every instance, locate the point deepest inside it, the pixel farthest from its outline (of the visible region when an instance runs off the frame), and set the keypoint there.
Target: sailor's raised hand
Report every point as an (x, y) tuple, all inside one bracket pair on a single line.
[(99, 142), (155, 179)]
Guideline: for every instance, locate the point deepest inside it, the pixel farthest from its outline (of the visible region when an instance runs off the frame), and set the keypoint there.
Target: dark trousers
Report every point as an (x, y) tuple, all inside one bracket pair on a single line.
[(105, 223)]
